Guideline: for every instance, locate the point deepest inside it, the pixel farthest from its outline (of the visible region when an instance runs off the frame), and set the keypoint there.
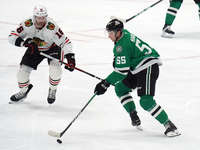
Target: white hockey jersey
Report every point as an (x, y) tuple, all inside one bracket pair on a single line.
[(45, 38)]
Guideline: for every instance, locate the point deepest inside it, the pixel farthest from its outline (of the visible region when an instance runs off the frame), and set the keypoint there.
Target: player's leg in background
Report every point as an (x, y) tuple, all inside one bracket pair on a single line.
[(170, 17), (198, 3)]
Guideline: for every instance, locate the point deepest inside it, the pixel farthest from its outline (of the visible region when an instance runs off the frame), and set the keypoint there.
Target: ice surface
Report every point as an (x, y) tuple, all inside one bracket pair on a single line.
[(104, 124)]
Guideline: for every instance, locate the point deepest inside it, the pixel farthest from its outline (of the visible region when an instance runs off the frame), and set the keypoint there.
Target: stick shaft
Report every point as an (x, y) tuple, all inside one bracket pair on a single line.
[(143, 10), (60, 61), (61, 134)]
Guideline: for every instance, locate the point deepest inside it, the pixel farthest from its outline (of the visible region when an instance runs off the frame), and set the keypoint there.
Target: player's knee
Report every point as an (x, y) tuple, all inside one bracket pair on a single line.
[(55, 70), (147, 102), (24, 73), (121, 89)]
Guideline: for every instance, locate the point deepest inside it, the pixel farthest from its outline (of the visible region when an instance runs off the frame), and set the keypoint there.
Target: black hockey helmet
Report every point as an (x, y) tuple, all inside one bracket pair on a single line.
[(115, 25)]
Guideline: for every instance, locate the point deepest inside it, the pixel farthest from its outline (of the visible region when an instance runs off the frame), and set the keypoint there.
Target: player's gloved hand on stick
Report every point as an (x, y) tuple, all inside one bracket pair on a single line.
[(71, 61), (101, 87), (32, 47)]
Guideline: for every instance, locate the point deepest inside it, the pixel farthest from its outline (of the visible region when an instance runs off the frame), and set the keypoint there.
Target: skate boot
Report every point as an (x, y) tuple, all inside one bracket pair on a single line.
[(20, 96), (167, 32), (135, 119), (171, 130), (51, 96)]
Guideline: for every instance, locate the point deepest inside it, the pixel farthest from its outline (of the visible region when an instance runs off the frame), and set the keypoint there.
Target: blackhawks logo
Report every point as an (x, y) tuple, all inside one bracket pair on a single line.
[(50, 26), (28, 23), (39, 42), (118, 49)]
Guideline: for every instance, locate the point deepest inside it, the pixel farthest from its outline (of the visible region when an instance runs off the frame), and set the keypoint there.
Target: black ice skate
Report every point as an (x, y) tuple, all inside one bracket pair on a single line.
[(171, 130), (51, 96), (20, 96), (135, 119), (167, 32)]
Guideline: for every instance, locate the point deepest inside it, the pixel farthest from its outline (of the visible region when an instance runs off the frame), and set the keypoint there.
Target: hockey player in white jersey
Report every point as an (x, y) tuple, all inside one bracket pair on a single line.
[(39, 33)]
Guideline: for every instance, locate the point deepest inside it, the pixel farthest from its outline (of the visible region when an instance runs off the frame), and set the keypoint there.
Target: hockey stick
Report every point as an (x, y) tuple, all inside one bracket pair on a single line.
[(126, 20), (57, 134), (62, 62)]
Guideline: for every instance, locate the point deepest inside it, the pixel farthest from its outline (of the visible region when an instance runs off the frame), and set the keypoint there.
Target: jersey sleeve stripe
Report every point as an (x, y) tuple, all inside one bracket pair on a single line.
[(14, 34)]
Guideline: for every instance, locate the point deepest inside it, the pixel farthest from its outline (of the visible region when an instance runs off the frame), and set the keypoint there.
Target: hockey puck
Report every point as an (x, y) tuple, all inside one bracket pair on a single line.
[(59, 141)]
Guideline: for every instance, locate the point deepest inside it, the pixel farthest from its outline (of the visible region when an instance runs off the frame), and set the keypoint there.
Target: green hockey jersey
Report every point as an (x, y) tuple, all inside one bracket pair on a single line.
[(131, 54)]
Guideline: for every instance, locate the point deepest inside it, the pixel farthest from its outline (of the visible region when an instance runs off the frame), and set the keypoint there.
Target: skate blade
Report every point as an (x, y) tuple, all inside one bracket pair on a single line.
[(173, 134), (139, 127), (166, 35), (15, 102)]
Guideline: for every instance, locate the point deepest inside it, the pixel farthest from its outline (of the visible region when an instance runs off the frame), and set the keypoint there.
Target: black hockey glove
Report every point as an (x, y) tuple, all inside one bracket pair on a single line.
[(101, 87), (32, 47), (71, 61), (130, 81)]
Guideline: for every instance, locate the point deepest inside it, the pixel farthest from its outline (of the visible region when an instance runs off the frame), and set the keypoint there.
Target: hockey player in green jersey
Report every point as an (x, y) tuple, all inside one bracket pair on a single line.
[(171, 15), (136, 66)]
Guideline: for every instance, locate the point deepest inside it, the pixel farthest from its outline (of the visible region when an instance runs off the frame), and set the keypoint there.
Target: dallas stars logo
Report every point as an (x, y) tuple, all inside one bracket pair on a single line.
[(118, 49)]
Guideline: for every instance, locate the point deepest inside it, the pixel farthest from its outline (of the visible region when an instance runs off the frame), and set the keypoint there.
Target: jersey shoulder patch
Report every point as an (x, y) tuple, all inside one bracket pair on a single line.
[(28, 23), (119, 49), (50, 26)]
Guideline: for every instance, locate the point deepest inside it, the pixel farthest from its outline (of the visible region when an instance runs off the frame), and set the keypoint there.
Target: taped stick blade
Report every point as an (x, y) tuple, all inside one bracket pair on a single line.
[(114, 17), (54, 134)]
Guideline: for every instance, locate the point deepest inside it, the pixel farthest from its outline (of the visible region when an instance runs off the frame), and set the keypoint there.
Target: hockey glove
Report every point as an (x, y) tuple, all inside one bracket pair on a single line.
[(32, 47), (101, 87), (130, 81), (71, 61)]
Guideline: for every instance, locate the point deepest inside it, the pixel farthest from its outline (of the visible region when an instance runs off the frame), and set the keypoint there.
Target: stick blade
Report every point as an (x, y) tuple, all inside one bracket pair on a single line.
[(114, 17), (54, 134)]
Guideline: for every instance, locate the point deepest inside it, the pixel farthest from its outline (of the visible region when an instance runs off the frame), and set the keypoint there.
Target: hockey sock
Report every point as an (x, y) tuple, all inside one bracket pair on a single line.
[(128, 103), (23, 86), (55, 72), (23, 77), (199, 14), (159, 114), (126, 99), (172, 11), (148, 103), (53, 83), (121, 89), (199, 9)]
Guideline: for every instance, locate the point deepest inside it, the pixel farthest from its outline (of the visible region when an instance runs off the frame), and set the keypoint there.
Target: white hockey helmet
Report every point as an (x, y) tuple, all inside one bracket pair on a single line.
[(40, 11)]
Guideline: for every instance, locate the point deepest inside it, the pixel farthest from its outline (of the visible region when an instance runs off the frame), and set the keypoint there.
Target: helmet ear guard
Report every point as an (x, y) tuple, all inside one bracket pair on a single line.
[(40, 11)]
